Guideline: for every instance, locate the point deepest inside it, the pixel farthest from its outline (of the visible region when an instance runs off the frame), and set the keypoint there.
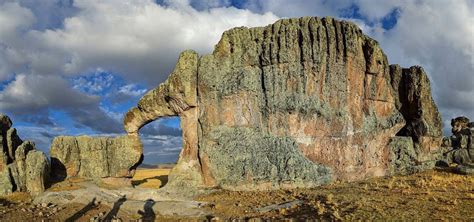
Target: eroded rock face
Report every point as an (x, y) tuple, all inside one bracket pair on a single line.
[(460, 145), (296, 103), (95, 157), (37, 172), (22, 167)]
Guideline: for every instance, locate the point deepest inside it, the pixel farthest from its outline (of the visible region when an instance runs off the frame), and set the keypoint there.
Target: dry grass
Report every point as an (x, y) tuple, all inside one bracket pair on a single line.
[(425, 196), (16, 197), (151, 178)]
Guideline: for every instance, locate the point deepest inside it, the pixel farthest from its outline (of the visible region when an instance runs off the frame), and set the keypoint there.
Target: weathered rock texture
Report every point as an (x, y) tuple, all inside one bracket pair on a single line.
[(460, 145), (296, 103), (95, 157), (22, 168)]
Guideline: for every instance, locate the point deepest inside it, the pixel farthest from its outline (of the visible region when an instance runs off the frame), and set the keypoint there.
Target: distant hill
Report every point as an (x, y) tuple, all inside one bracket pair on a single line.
[(157, 166)]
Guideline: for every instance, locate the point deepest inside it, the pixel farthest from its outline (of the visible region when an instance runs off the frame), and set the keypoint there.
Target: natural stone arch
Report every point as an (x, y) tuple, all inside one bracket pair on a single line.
[(177, 96)]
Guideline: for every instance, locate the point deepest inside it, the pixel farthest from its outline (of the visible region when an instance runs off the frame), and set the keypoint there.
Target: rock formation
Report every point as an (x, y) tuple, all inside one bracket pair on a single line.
[(460, 146), (95, 157), (22, 168), (297, 103)]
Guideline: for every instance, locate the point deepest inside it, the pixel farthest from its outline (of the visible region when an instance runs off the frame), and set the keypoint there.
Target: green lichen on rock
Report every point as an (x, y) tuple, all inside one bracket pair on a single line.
[(402, 155), (95, 157), (284, 103), (37, 172), (18, 172), (245, 157), (7, 184)]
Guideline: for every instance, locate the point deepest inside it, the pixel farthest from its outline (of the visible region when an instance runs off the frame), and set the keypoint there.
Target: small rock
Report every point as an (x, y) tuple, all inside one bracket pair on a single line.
[(282, 211), (101, 214), (40, 214), (44, 205), (465, 169), (23, 209)]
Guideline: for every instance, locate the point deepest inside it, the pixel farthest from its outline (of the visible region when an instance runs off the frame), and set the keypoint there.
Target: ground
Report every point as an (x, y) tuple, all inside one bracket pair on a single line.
[(431, 195), (151, 178)]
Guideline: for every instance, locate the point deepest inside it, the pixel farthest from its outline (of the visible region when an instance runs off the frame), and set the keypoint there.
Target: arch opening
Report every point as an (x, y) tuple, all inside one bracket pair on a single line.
[(162, 141)]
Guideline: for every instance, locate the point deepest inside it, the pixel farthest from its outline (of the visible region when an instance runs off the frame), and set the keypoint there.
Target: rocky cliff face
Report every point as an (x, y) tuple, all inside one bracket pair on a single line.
[(297, 103), (22, 168), (95, 157)]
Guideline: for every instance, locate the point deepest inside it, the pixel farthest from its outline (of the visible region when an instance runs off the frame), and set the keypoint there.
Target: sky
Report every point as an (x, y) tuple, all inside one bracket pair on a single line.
[(73, 67)]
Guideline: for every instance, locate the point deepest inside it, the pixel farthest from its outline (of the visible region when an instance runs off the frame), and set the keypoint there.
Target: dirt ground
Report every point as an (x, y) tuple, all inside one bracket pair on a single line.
[(151, 178), (19, 207), (431, 195), (427, 196)]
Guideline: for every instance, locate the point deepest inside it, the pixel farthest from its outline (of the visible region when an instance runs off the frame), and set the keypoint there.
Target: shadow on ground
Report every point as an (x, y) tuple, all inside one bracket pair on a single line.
[(91, 205), (115, 209), (148, 214), (162, 178)]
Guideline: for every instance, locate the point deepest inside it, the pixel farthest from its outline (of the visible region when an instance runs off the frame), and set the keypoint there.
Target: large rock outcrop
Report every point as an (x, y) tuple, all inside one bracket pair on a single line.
[(297, 103), (22, 167), (95, 157), (297, 95)]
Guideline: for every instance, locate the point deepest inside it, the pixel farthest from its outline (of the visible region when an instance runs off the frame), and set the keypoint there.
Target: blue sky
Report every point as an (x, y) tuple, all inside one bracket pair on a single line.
[(75, 67)]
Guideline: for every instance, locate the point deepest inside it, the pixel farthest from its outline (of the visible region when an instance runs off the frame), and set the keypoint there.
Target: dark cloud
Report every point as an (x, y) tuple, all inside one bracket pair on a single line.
[(30, 97), (96, 119), (40, 118)]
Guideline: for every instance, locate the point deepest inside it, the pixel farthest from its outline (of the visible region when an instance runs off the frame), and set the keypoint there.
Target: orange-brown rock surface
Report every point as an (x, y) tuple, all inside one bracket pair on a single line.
[(297, 103)]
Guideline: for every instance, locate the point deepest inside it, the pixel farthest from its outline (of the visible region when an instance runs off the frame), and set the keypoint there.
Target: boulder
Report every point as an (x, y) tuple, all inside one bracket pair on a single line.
[(14, 162), (459, 145), (300, 102), (5, 122), (20, 159), (412, 93), (7, 184), (37, 172), (13, 141), (95, 157)]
